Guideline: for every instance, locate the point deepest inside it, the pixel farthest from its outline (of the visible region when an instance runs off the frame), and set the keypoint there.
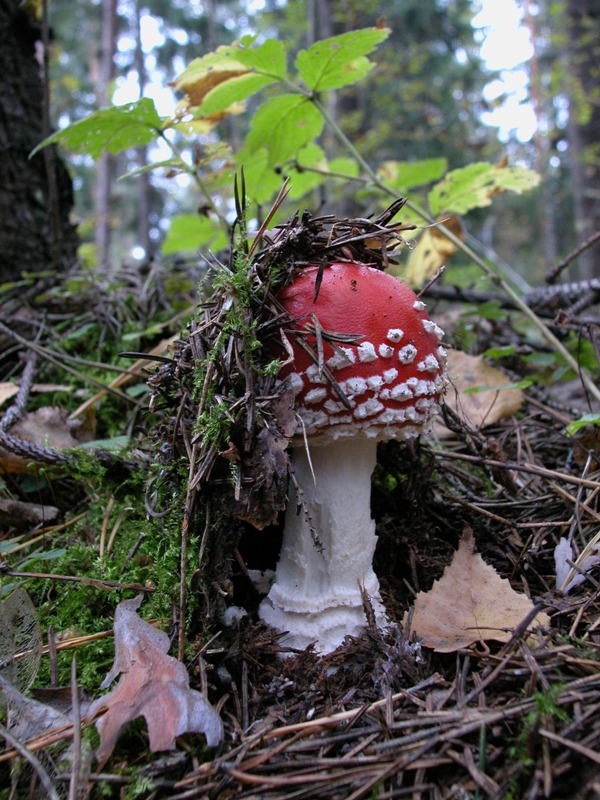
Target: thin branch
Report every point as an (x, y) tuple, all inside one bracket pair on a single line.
[(555, 343), (28, 756)]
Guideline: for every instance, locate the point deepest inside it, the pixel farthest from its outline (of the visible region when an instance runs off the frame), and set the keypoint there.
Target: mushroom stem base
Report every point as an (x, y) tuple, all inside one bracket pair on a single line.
[(328, 546)]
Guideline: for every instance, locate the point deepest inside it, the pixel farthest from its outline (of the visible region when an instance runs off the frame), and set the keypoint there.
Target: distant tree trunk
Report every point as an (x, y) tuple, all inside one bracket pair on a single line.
[(583, 25), (144, 185), (106, 163), (541, 145), (36, 195)]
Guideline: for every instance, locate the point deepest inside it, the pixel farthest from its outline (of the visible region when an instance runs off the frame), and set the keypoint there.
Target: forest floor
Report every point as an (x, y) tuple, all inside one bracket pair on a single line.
[(382, 717)]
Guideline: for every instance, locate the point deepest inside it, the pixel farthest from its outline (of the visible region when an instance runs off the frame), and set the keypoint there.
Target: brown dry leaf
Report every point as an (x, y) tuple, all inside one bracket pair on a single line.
[(198, 84), (480, 408), (7, 390), (432, 251), (152, 685), (20, 515), (469, 603), (46, 427), (261, 500), (19, 633)]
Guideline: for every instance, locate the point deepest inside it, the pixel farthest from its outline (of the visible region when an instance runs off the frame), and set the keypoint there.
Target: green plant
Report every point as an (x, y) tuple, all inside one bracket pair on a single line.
[(521, 751), (283, 139)]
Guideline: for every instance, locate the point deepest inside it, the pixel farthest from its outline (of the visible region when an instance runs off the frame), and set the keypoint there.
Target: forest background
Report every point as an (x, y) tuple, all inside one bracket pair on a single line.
[(85, 289), (431, 99)]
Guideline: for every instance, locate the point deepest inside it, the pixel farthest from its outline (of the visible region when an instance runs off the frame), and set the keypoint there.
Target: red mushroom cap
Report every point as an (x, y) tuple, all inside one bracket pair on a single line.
[(392, 376)]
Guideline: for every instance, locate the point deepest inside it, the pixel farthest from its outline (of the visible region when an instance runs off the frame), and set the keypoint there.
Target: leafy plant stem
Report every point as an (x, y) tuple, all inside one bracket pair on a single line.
[(493, 273), (193, 173)]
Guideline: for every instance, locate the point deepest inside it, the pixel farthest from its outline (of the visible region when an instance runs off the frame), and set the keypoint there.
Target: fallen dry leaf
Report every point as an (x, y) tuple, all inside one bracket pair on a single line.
[(19, 633), (480, 408), (152, 685), (7, 390), (469, 603), (17, 514), (28, 718), (432, 251), (47, 427)]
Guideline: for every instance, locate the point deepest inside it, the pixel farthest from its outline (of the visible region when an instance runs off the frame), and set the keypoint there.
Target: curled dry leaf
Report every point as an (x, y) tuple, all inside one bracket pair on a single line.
[(28, 718), (152, 685), (571, 571), (48, 427), (490, 403), (432, 251), (19, 634), (469, 603), (7, 390)]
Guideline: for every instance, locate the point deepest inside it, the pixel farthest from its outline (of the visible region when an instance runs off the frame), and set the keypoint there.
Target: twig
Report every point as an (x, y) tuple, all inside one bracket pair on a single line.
[(28, 756), (572, 256), (57, 363), (494, 274), (578, 748), (76, 764), (529, 468), (15, 411)]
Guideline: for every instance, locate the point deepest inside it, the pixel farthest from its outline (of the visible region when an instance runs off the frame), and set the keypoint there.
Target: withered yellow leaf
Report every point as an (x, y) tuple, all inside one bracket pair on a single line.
[(432, 251), (493, 400), (47, 427), (7, 390), (469, 603), (197, 89)]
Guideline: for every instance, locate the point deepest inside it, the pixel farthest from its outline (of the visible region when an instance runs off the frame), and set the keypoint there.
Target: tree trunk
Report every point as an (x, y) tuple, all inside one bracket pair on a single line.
[(583, 25), (36, 195), (144, 185), (541, 146), (106, 163)]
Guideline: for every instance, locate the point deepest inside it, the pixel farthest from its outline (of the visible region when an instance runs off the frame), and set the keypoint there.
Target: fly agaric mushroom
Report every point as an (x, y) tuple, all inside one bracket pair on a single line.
[(383, 382)]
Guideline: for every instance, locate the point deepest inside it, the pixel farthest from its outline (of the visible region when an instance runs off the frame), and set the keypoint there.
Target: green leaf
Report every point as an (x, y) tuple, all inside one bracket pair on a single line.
[(113, 445), (492, 309), (339, 61), (284, 125), (48, 555), (262, 182), (302, 181), (234, 90), (268, 58), (404, 175), (190, 232), (170, 163), (475, 185), (501, 352), (110, 129), (230, 74), (587, 419), (344, 166), (524, 384)]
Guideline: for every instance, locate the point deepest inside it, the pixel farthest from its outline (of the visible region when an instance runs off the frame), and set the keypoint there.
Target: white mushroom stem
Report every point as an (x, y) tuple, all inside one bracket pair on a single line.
[(316, 595)]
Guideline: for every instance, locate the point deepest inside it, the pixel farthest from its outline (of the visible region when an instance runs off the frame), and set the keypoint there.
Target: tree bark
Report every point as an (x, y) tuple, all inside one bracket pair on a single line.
[(541, 144), (583, 25), (105, 169), (144, 184), (36, 195)]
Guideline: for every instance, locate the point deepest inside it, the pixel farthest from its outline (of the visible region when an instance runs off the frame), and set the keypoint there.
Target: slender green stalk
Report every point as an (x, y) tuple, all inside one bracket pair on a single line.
[(494, 274), (203, 188)]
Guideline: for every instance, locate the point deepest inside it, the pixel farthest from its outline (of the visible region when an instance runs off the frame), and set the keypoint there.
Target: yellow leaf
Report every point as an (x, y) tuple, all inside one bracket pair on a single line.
[(432, 251), (47, 427), (469, 603), (483, 407), (197, 88), (7, 390)]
